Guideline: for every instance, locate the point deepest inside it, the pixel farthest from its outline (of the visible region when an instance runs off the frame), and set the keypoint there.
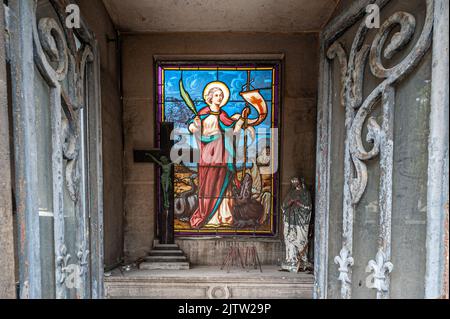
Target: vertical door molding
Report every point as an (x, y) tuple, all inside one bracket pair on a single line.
[(49, 39), (436, 277), (25, 147), (95, 170), (322, 180), (7, 275)]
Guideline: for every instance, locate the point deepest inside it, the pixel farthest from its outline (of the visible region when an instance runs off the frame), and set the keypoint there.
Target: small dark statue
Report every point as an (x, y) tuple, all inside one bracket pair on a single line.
[(296, 208)]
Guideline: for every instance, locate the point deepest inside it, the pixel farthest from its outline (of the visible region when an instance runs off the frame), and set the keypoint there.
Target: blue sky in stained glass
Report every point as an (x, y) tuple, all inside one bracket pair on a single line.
[(266, 94), (261, 79), (235, 81), (233, 107), (237, 107), (195, 81), (171, 89)]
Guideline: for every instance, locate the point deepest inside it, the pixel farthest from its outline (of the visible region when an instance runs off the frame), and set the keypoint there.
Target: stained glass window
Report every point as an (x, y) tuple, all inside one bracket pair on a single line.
[(227, 116)]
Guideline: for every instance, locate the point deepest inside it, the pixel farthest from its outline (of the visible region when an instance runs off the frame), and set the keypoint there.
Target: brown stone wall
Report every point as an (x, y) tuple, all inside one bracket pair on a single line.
[(100, 24), (298, 123)]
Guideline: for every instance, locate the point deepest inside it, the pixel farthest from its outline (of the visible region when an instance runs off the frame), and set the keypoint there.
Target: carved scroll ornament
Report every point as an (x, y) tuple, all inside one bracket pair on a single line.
[(62, 61), (358, 113)]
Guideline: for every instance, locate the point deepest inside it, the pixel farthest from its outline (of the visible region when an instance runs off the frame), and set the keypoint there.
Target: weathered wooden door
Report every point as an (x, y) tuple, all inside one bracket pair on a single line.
[(382, 192), (57, 138)]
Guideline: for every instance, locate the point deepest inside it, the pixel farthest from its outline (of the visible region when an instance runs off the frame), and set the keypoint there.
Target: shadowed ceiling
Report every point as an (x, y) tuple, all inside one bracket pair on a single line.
[(220, 15)]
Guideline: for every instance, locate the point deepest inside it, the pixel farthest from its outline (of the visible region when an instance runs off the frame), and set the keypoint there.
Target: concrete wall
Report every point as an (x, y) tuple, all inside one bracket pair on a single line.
[(100, 24), (298, 123)]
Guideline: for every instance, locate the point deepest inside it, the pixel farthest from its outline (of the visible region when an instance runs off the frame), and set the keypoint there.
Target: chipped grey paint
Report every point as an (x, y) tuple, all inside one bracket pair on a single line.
[(44, 32), (345, 259), (96, 176), (391, 76), (436, 277), (357, 114), (385, 193), (7, 276), (331, 32), (322, 180), (75, 138), (25, 147)]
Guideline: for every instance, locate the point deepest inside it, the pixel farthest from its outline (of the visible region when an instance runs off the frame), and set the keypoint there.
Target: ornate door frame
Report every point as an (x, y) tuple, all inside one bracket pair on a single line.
[(357, 110), (59, 54)]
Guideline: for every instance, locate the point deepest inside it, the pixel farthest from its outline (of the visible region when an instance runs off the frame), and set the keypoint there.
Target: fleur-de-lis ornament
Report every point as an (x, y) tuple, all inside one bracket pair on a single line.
[(83, 259), (379, 268), (62, 261), (344, 260)]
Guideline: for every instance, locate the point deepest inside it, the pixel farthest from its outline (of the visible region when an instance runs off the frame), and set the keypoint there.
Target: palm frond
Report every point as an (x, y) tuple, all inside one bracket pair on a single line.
[(187, 99)]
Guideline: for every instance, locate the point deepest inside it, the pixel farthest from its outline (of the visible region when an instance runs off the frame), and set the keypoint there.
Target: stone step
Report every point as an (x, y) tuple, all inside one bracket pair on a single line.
[(164, 265), (165, 258), (166, 252), (166, 247)]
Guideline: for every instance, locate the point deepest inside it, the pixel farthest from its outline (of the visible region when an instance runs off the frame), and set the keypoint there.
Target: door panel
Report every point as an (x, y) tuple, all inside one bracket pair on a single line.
[(58, 152), (373, 151)]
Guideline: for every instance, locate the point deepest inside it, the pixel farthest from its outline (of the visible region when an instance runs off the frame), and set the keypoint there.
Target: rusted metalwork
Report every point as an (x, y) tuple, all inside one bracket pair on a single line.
[(233, 258)]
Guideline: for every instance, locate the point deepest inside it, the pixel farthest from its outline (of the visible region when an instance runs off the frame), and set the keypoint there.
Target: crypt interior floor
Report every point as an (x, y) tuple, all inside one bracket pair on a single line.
[(209, 282)]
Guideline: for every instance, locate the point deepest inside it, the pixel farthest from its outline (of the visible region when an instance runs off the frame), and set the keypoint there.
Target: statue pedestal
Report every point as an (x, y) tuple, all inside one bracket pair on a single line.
[(301, 266), (165, 256)]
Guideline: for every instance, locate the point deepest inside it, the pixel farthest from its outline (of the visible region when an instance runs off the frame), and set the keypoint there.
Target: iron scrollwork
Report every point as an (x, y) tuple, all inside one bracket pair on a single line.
[(62, 61), (358, 113)]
